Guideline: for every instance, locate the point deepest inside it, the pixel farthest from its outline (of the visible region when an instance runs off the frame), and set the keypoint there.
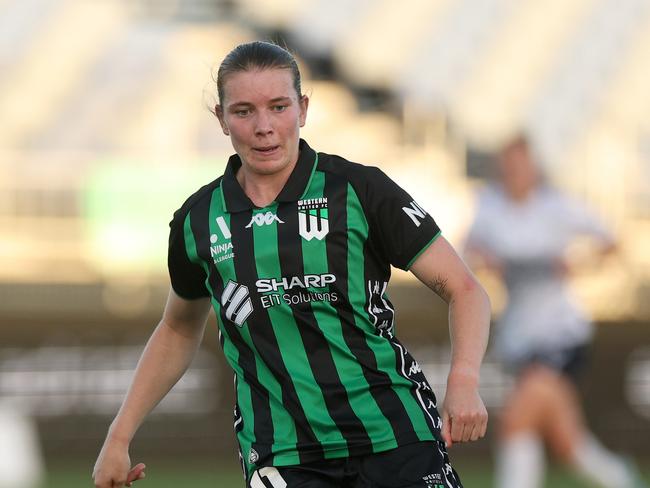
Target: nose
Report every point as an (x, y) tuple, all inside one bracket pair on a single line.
[(263, 124)]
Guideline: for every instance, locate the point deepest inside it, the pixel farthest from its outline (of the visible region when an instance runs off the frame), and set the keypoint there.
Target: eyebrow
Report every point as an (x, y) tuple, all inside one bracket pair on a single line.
[(249, 104)]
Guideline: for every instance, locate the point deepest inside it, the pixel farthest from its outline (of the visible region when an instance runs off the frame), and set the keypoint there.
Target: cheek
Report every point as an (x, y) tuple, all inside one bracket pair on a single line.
[(237, 128)]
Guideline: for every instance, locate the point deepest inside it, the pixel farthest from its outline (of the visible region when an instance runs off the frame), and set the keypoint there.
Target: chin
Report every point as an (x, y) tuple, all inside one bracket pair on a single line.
[(269, 167)]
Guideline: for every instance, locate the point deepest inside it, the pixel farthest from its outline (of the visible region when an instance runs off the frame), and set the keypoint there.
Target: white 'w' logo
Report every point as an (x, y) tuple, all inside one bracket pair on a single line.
[(237, 303), (310, 226), (415, 212)]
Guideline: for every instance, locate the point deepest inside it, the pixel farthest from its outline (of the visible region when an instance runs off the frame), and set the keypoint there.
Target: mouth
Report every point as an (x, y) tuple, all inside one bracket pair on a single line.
[(266, 150)]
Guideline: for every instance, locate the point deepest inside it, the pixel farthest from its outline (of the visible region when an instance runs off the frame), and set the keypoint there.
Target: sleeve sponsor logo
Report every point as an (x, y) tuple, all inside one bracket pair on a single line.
[(415, 213), (312, 218)]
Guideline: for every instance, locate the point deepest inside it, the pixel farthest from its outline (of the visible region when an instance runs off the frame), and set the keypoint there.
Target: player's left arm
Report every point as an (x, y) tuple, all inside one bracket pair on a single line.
[(440, 268)]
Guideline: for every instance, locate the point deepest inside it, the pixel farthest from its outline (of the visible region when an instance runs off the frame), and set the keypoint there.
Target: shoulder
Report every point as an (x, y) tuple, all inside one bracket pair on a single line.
[(491, 196), (362, 177), (556, 199), (333, 163), (203, 193)]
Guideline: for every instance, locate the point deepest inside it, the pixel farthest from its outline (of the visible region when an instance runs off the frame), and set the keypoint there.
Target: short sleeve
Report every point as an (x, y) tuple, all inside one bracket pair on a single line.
[(187, 278), (582, 221), (403, 228)]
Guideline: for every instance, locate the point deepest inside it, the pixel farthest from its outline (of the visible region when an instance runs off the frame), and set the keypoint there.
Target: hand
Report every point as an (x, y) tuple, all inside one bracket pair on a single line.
[(113, 467), (464, 417)]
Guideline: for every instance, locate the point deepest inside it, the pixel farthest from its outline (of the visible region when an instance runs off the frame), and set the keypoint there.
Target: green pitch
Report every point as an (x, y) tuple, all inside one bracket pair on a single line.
[(203, 474)]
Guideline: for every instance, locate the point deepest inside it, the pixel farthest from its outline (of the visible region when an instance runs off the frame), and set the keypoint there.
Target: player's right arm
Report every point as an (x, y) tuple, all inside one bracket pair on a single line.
[(166, 357)]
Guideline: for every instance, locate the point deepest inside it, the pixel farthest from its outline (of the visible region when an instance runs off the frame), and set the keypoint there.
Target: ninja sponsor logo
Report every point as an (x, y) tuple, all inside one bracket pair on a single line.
[(221, 251)]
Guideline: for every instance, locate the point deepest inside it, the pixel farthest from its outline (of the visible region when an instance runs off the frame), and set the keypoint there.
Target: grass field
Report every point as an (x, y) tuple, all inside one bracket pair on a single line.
[(166, 474)]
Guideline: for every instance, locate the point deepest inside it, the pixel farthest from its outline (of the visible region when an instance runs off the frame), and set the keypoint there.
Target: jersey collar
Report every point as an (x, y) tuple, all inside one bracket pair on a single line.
[(234, 198)]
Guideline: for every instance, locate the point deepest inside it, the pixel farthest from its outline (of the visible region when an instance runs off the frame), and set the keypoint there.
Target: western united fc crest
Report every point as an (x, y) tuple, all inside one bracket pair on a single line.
[(312, 218)]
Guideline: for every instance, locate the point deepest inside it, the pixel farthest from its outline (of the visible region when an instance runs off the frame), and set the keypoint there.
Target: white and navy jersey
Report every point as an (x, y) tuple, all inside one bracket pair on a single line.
[(299, 289), (529, 240)]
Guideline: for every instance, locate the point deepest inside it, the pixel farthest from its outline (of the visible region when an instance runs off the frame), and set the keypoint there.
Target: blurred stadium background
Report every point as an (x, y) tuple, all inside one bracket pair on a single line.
[(104, 115)]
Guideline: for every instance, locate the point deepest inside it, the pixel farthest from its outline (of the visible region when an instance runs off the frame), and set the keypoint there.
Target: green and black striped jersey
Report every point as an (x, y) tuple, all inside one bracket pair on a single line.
[(299, 290)]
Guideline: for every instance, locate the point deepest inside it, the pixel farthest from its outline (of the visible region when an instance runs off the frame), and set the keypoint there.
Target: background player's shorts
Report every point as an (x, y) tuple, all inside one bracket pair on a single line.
[(419, 465), (569, 361)]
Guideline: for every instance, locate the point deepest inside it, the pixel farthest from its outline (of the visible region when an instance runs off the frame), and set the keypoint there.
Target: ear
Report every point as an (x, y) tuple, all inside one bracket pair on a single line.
[(304, 105), (218, 111)]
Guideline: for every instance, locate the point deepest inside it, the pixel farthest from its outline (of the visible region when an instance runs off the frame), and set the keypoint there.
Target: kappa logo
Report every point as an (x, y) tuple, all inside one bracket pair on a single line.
[(261, 219), (414, 369), (312, 218), (415, 213), (236, 300)]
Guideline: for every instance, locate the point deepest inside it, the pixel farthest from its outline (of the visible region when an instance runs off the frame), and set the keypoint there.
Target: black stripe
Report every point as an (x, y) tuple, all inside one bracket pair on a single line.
[(316, 345), (263, 335), (263, 428), (379, 381)]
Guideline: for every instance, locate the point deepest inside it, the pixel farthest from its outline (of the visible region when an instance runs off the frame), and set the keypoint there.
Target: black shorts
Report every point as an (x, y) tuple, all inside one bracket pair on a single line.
[(569, 361), (419, 465)]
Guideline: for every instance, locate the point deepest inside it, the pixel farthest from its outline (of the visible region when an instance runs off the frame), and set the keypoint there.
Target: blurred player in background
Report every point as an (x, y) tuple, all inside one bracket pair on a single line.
[(521, 231), (293, 248)]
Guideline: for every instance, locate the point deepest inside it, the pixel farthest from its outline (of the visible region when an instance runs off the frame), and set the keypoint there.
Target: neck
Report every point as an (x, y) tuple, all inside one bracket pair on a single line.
[(263, 189), (520, 194)]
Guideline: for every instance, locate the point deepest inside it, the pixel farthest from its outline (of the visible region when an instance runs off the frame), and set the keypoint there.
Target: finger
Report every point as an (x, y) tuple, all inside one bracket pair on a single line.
[(484, 425), (476, 432), (446, 429), (474, 426), (467, 431), (457, 426), (135, 473)]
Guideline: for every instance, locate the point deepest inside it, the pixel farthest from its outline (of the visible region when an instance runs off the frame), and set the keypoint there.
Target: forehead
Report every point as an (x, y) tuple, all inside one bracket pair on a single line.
[(257, 86)]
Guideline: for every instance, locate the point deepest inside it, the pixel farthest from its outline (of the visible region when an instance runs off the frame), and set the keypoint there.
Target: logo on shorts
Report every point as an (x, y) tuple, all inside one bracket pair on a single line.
[(236, 300), (266, 218), (312, 218), (433, 480), (253, 457)]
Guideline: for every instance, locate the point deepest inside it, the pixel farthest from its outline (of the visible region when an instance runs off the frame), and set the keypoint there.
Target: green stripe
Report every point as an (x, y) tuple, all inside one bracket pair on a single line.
[(364, 403), (424, 248), (265, 238), (288, 336), (314, 254)]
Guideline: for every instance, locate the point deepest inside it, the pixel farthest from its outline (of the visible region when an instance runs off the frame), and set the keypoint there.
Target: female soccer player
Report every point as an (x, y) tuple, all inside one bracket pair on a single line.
[(292, 248), (522, 230)]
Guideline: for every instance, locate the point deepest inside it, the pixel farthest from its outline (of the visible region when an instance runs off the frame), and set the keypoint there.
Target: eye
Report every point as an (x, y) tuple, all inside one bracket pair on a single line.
[(278, 108), (242, 112)]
